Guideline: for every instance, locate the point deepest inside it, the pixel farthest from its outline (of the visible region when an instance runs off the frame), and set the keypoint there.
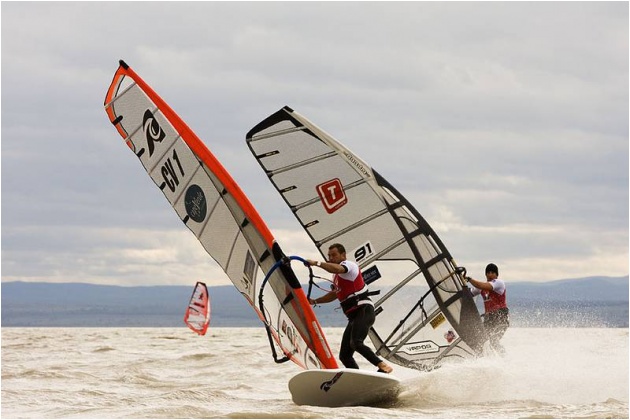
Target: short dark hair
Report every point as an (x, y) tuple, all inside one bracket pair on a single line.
[(492, 268), (340, 248)]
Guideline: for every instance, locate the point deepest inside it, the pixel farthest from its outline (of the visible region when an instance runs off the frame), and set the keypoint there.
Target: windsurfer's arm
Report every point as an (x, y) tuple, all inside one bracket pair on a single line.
[(328, 297), (482, 285), (328, 266), (331, 268)]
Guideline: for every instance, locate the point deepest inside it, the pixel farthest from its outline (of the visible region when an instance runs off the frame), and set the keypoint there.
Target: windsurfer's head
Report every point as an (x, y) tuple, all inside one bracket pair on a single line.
[(336, 253), (492, 268)]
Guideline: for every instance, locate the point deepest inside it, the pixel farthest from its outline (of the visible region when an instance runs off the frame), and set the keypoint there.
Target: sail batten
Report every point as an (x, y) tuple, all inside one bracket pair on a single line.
[(119, 95), (314, 200), (344, 200), (302, 163), (286, 131), (354, 225), (138, 128), (215, 209)]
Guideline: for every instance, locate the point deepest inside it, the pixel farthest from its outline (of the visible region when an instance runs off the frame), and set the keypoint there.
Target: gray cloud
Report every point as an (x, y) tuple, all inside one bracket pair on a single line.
[(506, 124)]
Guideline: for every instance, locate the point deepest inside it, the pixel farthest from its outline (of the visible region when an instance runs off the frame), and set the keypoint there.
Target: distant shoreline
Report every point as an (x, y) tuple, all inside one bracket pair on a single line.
[(596, 302), (610, 315)]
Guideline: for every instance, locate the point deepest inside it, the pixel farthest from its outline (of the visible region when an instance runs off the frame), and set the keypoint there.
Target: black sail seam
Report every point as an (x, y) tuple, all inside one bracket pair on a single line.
[(353, 226), (301, 163)]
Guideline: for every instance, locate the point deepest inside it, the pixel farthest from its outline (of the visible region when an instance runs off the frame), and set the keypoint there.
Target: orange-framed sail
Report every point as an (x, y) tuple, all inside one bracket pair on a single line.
[(216, 210)]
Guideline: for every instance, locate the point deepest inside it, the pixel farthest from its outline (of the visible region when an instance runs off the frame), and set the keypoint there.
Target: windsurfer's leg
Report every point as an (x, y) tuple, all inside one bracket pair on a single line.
[(362, 322), (497, 324), (501, 329), (346, 351)]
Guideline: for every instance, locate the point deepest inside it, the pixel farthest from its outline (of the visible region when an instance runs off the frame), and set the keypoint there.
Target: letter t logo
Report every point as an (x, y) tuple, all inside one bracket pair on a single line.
[(332, 195)]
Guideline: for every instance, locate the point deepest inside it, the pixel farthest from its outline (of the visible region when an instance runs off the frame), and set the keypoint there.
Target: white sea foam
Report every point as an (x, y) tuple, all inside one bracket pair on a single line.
[(173, 373)]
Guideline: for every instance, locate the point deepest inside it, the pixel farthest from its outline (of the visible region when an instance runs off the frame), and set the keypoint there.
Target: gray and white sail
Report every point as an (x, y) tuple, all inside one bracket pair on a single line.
[(425, 312), (212, 205)]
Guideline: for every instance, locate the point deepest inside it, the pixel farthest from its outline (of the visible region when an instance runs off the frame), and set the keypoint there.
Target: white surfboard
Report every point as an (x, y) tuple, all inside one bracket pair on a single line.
[(343, 387)]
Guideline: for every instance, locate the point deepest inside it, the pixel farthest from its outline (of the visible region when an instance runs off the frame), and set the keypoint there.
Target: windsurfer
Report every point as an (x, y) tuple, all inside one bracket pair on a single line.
[(350, 289), (493, 291)]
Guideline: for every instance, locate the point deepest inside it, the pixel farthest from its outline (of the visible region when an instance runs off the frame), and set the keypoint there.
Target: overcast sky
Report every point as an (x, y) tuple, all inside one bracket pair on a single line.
[(505, 124)]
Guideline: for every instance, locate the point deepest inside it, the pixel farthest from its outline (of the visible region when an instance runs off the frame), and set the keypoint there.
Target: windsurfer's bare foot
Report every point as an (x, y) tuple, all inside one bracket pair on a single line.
[(384, 367)]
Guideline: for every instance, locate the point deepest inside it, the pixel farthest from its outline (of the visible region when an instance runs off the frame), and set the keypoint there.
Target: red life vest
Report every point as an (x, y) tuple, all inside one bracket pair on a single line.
[(347, 289), (493, 301)]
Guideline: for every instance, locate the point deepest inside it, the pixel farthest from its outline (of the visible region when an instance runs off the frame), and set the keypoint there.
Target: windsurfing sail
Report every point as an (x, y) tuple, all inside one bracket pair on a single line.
[(197, 316), (425, 313), (211, 204)]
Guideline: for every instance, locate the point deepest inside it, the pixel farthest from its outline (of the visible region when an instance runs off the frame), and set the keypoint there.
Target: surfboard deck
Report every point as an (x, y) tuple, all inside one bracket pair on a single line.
[(343, 387)]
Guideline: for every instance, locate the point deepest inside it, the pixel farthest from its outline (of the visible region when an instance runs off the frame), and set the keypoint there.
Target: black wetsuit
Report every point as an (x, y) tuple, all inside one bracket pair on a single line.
[(359, 322)]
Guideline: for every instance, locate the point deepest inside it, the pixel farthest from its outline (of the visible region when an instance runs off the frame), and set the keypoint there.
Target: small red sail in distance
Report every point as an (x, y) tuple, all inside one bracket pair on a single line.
[(197, 316)]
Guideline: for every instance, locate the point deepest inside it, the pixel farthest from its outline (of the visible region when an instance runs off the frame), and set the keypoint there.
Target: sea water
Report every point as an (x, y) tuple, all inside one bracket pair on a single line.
[(229, 373)]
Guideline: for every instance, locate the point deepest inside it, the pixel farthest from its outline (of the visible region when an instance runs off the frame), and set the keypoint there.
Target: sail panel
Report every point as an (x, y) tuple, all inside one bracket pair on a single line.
[(425, 313), (298, 142), (214, 208), (309, 177)]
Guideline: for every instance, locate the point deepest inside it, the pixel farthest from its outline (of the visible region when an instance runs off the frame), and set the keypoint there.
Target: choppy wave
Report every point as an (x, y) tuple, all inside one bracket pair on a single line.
[(103, 349), (198, 357), (174, 373)]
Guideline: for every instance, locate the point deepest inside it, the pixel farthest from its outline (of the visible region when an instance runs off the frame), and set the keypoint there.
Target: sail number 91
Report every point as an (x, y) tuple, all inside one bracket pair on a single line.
[(363, 252)]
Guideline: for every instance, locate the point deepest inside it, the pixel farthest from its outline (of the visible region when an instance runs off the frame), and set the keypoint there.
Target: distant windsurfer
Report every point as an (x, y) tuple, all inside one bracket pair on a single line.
[(493, 291), (351, 290)]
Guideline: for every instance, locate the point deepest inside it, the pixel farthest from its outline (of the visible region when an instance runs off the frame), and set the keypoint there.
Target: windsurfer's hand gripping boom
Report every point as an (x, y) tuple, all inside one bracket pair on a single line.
[(332, 268)]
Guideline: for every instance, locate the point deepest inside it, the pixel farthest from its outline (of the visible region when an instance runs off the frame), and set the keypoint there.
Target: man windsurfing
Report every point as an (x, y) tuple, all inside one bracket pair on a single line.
[(350, 289), (493, 291)]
